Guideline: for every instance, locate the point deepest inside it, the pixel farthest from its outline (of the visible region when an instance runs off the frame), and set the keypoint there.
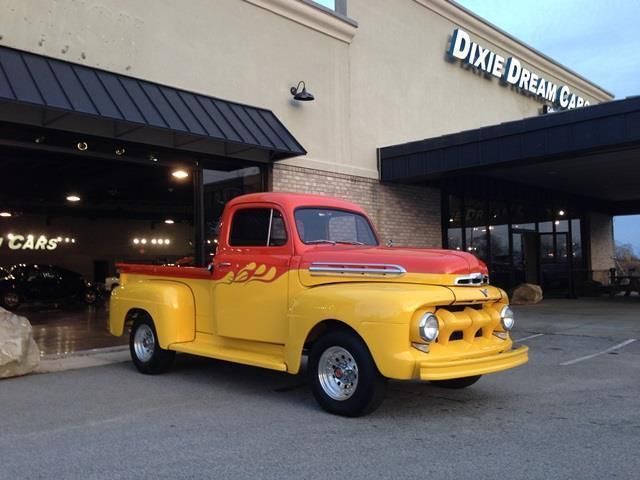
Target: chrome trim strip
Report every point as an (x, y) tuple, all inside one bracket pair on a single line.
[(356, 269), (472, 280)]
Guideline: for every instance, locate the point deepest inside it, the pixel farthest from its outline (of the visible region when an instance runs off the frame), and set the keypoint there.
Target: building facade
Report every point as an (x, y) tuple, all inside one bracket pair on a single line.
[(383, 74)]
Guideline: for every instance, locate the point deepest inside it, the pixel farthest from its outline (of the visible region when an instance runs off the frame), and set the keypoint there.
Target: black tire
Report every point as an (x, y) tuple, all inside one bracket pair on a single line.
[(359, 368), (10, 300), (147, 355), (457, 383)]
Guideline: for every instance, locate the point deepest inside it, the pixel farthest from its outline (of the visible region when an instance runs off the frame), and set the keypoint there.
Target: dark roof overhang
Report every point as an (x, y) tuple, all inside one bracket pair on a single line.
[(593, 152), (42, 91)]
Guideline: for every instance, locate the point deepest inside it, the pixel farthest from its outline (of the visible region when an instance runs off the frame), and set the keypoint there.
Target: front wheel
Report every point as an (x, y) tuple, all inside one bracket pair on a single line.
[(146, 353), (343, 376), (457, 383)]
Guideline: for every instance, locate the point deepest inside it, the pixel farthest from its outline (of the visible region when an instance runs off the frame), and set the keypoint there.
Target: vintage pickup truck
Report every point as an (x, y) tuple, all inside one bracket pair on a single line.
[(298, 275)]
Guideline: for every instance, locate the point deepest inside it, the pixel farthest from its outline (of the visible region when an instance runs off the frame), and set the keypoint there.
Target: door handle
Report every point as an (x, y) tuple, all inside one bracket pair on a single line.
[(224, 264)]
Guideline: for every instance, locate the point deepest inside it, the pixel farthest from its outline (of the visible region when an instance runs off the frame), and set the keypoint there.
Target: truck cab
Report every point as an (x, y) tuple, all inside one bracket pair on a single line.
[(299, 275)]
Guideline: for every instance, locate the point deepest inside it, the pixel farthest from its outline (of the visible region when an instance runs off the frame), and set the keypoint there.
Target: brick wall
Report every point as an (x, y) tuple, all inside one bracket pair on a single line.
[(407, 214)]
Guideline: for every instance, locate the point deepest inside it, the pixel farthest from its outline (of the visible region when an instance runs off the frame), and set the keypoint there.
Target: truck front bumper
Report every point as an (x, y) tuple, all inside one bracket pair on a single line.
[(444, 369)]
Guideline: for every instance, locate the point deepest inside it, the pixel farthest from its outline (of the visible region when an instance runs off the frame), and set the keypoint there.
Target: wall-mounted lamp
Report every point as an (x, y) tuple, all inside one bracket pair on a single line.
[(301, 95)]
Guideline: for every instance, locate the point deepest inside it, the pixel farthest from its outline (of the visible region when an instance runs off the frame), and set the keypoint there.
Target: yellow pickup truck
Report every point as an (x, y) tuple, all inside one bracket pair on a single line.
[(299, 275)]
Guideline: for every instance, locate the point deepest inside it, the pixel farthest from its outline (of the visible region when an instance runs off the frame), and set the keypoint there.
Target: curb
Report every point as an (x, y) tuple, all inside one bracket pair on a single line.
[(96, 357)]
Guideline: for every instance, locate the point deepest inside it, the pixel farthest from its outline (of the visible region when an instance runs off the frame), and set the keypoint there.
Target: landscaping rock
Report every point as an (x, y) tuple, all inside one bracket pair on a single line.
[(526, 294), (19, 353)]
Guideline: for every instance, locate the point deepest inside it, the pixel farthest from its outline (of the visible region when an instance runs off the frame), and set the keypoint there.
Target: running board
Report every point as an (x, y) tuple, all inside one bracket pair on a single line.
[(218, 352)]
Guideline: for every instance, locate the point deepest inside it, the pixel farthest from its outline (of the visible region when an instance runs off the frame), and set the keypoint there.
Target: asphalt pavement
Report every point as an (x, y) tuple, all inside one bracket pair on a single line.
[(573, 412)]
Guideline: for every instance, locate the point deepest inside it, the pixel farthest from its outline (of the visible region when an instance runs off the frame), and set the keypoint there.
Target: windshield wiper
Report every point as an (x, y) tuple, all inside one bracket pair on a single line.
[(320, 241), (352, 242)]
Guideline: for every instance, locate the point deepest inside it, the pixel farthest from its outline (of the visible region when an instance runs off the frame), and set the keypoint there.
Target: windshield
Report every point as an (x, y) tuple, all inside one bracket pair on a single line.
[(327, 225)]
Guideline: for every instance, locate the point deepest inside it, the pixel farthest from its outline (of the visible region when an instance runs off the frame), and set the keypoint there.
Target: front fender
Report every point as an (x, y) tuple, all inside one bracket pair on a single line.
[(379, 312), (170, 304)]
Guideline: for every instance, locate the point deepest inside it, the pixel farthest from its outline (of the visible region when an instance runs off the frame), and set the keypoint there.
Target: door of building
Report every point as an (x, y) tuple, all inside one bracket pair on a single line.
[(555, 262)]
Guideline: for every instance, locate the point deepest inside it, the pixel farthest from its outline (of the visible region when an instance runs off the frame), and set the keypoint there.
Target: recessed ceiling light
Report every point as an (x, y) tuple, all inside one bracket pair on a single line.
[(6, 214), (153, 158), (136, 241), (82, 146), (169, 221), (120, 151), (73, 198), (180, 174)]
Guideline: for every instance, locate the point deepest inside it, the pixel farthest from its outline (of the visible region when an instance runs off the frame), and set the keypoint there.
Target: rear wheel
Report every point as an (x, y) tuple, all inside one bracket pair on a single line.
[(343, 376), (10, 300), (457, 383), (146, 353)]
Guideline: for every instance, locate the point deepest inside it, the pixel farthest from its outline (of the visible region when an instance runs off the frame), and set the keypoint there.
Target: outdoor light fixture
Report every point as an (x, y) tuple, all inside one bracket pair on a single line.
[(6, 214), (301, 95), (82, 146), (72, 197), (169, 221), (180, 174), (561, 213)]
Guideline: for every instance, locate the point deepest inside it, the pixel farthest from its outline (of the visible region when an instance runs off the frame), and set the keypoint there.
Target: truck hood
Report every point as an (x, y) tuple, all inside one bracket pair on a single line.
[(335, 263)]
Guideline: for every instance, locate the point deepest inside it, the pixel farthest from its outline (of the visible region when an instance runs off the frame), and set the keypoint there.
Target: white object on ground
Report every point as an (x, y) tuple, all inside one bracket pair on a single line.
[(19, 353)]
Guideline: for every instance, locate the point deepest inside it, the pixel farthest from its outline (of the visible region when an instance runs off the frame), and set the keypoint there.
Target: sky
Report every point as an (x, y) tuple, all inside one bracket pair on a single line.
[(596, 39)]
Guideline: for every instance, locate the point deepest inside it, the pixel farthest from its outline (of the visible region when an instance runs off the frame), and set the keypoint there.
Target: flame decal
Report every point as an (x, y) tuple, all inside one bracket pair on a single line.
[(251, 273)]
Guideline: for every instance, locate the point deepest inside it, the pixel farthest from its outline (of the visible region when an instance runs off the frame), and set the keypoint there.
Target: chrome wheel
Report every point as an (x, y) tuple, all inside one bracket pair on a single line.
[(144, 343), (338, 373)]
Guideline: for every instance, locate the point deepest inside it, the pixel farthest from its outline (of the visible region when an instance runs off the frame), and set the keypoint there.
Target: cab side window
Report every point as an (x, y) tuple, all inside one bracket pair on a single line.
[(257, 227)]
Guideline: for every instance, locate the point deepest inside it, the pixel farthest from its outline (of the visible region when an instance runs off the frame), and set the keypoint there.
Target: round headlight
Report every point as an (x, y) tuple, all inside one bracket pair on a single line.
[(506, 318), (428, 327)]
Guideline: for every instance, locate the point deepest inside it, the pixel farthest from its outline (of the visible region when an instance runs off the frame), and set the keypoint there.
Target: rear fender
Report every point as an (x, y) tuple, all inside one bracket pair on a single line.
[(170, 304)]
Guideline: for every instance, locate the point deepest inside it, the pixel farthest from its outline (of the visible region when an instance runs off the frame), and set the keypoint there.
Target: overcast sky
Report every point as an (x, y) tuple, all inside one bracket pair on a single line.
[(596, 39)]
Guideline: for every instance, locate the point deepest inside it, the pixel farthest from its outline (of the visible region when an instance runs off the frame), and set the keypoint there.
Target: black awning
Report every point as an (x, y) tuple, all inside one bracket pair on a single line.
[(64, 95), (592, 151)]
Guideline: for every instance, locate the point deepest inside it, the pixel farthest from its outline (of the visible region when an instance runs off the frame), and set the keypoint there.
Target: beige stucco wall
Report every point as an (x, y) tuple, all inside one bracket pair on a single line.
[(389, 84), (602, 245)]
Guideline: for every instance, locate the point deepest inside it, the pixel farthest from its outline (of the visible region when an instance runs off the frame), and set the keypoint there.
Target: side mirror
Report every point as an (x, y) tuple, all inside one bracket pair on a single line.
[(389, 243), (210, 267)]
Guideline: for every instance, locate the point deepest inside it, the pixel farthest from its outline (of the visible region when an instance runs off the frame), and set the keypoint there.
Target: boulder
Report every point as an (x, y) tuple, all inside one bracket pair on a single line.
[(526, 294), (19, 353)]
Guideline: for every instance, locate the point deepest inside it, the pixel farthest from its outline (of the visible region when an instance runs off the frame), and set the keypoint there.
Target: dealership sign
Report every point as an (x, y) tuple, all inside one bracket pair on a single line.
[(30, 242), (510, 71)]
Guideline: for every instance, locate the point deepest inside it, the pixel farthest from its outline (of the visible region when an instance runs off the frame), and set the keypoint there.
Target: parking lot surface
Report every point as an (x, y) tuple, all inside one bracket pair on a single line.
[(572, 412)]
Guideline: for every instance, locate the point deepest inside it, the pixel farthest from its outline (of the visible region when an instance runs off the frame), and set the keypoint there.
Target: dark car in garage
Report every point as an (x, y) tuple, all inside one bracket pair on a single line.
[(43, 285)]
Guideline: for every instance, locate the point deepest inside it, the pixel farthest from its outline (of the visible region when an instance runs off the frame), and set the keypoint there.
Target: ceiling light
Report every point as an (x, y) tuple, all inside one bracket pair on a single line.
[(153, 158), (120, 151), (143, 241), (72, 197), (154, 241), (82, 146), (136, 241), (166, 241), (169, 221), (39, 139), (180, 174), (6, 214), (561, 213)]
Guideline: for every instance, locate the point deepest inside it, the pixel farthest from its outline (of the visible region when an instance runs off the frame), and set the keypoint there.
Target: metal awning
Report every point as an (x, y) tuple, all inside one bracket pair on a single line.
[(593, 152), (42, 91)]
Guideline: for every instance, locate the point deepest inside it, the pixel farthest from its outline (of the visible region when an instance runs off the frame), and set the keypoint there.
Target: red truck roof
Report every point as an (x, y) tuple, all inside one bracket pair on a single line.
[(291, 201)]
